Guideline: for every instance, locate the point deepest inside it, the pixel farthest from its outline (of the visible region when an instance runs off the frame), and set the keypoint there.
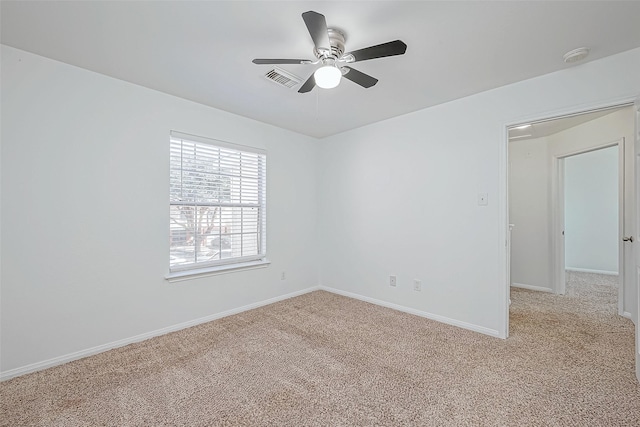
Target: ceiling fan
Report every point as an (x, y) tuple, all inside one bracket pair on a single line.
[(329, 51)]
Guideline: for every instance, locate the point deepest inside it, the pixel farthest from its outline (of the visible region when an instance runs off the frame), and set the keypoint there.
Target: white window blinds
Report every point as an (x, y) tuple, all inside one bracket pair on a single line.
[(217, 203)]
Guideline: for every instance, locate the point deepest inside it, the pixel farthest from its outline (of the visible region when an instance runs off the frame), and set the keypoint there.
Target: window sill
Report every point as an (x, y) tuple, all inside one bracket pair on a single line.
[(178, 276)]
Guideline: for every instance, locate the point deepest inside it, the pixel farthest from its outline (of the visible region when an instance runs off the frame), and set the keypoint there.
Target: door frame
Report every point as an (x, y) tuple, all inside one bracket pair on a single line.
[(558, 225), (636, 260), (504, 188)]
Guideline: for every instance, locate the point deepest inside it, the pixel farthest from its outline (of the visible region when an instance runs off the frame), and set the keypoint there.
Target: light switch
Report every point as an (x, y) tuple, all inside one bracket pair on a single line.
[(483, 199)]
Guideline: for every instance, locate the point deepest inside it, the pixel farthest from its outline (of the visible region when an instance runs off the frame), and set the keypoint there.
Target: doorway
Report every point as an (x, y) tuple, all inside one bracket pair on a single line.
[(589, 210), (537, 153)]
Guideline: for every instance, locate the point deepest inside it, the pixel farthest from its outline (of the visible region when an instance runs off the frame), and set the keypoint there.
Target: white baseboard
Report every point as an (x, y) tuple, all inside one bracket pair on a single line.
[(120, 343), (588, 270), (436, 317), (627, 315), (531, 287)]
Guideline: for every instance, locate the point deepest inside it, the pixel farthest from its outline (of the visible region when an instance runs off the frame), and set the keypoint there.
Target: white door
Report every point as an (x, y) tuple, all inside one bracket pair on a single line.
[(637, 219)]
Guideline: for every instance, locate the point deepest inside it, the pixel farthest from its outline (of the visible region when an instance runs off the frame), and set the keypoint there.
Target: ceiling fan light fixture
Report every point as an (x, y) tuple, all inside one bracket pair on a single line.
[(327, 76)]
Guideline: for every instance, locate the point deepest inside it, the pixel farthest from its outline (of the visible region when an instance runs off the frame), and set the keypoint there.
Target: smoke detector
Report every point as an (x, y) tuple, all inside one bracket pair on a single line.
[(576, 55)]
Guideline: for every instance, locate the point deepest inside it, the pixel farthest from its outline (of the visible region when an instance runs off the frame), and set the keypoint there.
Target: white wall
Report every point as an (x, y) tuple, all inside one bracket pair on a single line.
[(529, 211), (400, 196), (591, 211), (85, 167)]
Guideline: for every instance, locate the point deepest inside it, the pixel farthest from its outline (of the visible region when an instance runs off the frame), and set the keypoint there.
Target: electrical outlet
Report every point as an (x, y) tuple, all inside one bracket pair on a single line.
[(417, 285), (283, 276), (392, 281)]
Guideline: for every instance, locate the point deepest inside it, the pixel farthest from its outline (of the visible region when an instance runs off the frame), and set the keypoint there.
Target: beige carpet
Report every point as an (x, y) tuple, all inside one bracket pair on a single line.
[(326, 360)]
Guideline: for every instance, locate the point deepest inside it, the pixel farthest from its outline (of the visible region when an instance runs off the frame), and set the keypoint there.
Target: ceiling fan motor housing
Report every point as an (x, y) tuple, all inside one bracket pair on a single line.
[(336, 39)]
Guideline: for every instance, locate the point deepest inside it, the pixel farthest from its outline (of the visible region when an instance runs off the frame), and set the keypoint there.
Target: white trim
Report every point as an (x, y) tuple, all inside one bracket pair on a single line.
[(588, 270), (618, 142), (636, 252), (504, 238), (556, 232), (622, 215), (137, 338), (179, 276), (532, 287), (574, 110), (627, 315), (436, 317)]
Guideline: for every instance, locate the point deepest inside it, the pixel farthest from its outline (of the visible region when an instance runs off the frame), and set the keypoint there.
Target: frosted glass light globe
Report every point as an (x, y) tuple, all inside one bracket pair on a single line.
[(327, 77)]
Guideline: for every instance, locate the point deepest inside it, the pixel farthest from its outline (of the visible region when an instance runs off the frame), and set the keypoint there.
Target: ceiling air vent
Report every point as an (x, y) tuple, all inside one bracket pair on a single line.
[(282, 78)]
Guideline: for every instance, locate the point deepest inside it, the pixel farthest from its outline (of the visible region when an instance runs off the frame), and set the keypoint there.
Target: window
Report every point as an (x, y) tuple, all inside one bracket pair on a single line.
[(217, 204)]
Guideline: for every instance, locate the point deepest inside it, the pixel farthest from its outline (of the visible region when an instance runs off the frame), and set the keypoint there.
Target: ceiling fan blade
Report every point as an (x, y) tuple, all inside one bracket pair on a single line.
[(360, 78), (393, 48), (308, 85), (317, 26), (279, 61)]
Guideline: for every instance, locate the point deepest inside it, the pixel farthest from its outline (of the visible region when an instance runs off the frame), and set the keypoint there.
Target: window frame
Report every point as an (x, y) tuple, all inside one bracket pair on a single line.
[(237, 263)]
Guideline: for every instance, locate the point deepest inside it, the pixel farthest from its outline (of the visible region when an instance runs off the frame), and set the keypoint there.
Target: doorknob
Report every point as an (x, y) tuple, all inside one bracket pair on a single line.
[(628, 239)]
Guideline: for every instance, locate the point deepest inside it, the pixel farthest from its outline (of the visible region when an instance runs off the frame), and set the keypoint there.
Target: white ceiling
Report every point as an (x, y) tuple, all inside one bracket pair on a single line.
[(202, 51)]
